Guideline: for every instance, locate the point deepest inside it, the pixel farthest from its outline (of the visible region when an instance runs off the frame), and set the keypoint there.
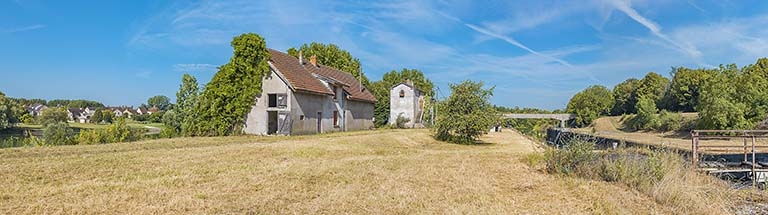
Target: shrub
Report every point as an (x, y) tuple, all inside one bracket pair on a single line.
[(466, 114), (120, 132), (662, 175), (58, 134), (669, 121), (400, 121), (169, 133), (566, 161), (89, 137), (533, 160)]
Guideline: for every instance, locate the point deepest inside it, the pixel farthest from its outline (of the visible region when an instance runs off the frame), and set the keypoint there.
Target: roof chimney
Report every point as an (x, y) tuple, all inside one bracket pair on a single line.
[(313, 60), (409, 82), (301, 58)]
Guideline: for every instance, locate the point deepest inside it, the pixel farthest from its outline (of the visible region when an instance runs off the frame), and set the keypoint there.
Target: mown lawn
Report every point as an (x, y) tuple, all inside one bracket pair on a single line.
[(368, 172)]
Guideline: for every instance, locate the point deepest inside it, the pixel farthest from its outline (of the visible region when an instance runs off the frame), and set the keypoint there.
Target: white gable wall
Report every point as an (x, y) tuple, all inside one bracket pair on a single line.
[(406, 106), (256, 121)]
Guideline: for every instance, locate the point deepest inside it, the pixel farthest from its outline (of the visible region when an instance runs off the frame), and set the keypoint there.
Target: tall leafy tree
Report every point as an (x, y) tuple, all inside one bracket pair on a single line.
[(719, 107), (381, 89), (97, 116), (9, 112), (333, 56), (652, 86), (186, 99), (160, 101), (685, 89), (53, 115), (229, 95), (590, 103), (646, 118), (622, 95), (466, 114)]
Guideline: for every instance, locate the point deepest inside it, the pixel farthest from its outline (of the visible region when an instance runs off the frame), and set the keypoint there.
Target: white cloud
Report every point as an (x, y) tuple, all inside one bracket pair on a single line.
[(626, 7), (195, 67), (23, 29)]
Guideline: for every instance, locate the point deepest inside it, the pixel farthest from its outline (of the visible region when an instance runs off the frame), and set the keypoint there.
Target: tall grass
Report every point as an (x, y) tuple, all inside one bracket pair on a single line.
[(662, 175)]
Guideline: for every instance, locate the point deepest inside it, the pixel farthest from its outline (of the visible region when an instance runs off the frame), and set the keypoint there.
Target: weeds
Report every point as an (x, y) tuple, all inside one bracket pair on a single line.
[(661, 175)]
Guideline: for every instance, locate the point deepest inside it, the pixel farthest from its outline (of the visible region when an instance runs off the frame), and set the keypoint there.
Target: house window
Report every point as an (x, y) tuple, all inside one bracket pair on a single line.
[(272, 100), (278, 100), (282, 100), (335, 119), (335, 94), (402, 93), (301, 117)]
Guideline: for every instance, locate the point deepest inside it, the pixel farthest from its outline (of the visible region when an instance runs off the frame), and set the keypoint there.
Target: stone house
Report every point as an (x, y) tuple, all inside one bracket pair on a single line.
[(78, 115), (301, 97), (408, 102)]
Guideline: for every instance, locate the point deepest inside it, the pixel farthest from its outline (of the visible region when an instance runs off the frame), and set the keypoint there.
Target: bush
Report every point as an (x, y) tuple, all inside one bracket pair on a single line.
[(169, 133), (662, 175), (58, 134), (400, 121), (466, 114), (669, 121), (566, 161), (120, 132), (89, 137), (533, 160)]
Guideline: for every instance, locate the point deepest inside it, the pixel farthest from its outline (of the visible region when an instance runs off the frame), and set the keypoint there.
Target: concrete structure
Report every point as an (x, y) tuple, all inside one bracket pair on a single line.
[(562, 117), (308, 98), (408, 102)]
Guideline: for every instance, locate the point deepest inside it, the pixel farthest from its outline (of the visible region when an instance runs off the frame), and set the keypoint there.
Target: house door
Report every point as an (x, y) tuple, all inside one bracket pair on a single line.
[(319, 122), (272, 122)]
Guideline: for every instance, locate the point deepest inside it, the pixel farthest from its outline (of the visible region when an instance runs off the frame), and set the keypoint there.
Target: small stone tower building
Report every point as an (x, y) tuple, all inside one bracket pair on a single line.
[(408, 102)]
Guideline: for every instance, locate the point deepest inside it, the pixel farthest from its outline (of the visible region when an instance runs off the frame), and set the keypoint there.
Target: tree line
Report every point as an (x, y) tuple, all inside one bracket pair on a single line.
[(726, 97)]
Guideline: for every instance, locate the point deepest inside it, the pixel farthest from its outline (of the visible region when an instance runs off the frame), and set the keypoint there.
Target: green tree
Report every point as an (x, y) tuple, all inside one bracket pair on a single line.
[(186, 99), (590, 103), (466, 114), (652, 86), (646, 118), (228, 97), (333, 56), (98, 116), (719, 107), (160, 101), (381, 89), (58, 133), (107, 116), (685, 89), (53, 115), (172, 120), (622, 95), (78, 103), (6, 112)]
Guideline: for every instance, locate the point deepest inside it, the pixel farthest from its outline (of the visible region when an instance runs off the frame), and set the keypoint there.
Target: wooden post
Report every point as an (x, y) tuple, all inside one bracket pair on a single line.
[(745, 150), (754, 176), (694, 149)]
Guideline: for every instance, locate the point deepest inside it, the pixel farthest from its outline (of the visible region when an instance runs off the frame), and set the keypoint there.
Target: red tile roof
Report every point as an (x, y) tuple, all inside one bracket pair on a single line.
[(301, 77)]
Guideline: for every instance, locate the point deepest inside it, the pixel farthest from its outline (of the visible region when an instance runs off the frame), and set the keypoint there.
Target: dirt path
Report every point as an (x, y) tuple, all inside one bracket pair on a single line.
[(152, 130)]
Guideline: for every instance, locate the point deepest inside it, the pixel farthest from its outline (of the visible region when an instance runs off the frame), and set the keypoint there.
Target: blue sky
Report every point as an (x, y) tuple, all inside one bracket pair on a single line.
[(536, 53)]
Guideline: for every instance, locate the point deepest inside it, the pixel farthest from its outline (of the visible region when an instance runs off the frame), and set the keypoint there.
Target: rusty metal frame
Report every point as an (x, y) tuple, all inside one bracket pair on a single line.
[(746, 148)]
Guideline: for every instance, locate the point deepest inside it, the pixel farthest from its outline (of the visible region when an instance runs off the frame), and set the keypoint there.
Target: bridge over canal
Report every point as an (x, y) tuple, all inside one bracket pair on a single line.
[(562, 117)]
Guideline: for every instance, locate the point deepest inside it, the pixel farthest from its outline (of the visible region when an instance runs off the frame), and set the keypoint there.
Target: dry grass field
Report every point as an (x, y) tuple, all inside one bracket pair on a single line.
[(369, 172)]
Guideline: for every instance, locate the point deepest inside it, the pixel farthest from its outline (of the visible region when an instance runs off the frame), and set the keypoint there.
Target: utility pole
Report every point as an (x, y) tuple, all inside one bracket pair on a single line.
[(434, 110)]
